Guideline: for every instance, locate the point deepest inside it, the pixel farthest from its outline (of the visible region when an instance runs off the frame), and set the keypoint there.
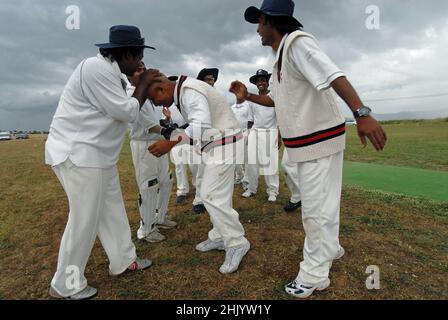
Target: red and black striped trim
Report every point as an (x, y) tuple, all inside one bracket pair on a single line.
[(316, 137), (222, 142), (180, 82)]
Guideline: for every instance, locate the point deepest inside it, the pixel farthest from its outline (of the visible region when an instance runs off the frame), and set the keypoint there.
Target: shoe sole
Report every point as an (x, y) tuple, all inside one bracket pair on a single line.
[(125, 272), (56, 295), (153, 241), (165, 227), (309, 293), (293, 209), (219, 249)]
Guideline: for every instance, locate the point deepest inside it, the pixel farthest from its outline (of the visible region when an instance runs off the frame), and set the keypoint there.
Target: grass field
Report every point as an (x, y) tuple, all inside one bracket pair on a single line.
[(406, 237), (429, 184)]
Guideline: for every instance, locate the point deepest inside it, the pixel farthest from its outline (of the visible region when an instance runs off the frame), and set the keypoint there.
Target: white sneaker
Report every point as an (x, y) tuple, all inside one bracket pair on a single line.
[(138, 264), (339, 255), (234, 255), (272, 198), (167, 224), (155, 236), (85, 294), (209, 245), (248, 194), (300, 290)]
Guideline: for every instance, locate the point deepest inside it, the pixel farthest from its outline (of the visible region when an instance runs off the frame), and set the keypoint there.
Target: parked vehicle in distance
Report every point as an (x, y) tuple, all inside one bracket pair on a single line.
[(350, 122), (22, 135), (5, 135)]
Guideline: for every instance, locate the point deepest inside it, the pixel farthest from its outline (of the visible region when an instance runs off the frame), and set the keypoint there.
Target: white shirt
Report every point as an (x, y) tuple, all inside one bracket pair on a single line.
[(90, 122), (195, 111), (176, 116), (149, 117), (262, 117), (241, 111), (312, 62)]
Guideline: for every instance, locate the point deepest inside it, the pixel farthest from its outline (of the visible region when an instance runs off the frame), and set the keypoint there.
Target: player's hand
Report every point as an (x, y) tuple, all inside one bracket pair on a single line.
[(162, 147), (239, 90), (167, 113), (370, 128), (149, 75)]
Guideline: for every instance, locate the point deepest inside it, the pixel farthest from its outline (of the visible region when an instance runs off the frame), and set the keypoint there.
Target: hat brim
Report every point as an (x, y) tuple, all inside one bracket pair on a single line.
[(252, 15), (213, 71), (112, 45), (253, 79)]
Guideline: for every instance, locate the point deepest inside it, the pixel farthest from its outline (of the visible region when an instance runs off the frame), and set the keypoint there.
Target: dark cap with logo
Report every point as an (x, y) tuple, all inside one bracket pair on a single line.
[(260, 73)]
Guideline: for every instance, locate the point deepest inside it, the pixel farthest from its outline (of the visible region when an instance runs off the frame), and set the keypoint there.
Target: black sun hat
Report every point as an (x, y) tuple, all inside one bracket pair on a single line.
[(124, 36), (206, 71), (275, 8)]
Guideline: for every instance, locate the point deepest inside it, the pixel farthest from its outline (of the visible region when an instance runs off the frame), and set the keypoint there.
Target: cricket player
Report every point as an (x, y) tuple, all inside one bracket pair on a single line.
[(313, 132), (152, 174), (83, 146), (215, 132)]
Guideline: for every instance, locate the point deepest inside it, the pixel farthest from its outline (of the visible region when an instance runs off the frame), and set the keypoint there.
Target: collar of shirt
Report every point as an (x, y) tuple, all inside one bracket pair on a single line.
[(175, 93), (116, 69), (240, 105), (114, 64), (282, 43)]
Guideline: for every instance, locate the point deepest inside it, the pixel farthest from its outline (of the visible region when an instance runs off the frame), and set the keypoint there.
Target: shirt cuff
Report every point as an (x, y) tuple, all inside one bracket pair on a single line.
[(327, 83)]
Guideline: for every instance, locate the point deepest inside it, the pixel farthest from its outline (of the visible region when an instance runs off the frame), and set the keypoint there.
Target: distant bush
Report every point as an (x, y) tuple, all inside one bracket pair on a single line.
[(402, 121)]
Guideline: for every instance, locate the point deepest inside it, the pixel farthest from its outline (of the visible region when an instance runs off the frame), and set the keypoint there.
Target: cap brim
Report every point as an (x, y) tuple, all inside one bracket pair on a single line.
[(252, 14)]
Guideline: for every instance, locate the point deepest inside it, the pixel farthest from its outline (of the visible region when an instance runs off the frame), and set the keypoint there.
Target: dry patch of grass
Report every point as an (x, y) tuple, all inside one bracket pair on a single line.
[(404, 237)]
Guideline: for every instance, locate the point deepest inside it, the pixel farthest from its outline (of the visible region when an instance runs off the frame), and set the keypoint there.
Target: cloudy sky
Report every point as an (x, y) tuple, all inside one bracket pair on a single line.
[(407, 57)]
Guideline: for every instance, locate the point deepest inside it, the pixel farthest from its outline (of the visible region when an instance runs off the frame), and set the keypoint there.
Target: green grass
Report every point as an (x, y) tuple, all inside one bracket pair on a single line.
[(417, 144), (405, 236), (410, 181)]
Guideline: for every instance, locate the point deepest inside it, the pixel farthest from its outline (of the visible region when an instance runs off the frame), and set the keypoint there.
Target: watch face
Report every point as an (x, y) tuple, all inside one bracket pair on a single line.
[(364, 111)]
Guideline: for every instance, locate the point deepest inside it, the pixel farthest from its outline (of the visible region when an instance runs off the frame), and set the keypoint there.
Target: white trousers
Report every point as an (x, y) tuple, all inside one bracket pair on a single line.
[(177, 155), (197, 172), (96, 209), (154, 183), (183, 155), (320, 188), (263, 147), (241, 168), (291, 176), (217, 191)]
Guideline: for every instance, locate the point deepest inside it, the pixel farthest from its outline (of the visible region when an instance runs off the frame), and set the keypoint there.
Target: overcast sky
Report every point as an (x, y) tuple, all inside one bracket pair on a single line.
[(406, 57)]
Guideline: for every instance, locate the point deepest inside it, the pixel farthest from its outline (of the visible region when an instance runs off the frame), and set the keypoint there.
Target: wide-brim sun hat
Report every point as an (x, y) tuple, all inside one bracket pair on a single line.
[(124, 36), (274, 8)]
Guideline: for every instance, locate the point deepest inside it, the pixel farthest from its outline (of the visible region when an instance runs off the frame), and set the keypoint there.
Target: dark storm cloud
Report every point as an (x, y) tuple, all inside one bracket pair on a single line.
[(38, 54)]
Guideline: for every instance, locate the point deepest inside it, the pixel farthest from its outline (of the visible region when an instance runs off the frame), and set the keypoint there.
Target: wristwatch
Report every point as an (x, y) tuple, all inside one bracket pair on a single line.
[(362, 112)]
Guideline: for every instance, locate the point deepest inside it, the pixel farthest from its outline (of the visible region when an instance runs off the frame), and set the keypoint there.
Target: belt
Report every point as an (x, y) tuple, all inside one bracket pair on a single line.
[(221, 142)]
